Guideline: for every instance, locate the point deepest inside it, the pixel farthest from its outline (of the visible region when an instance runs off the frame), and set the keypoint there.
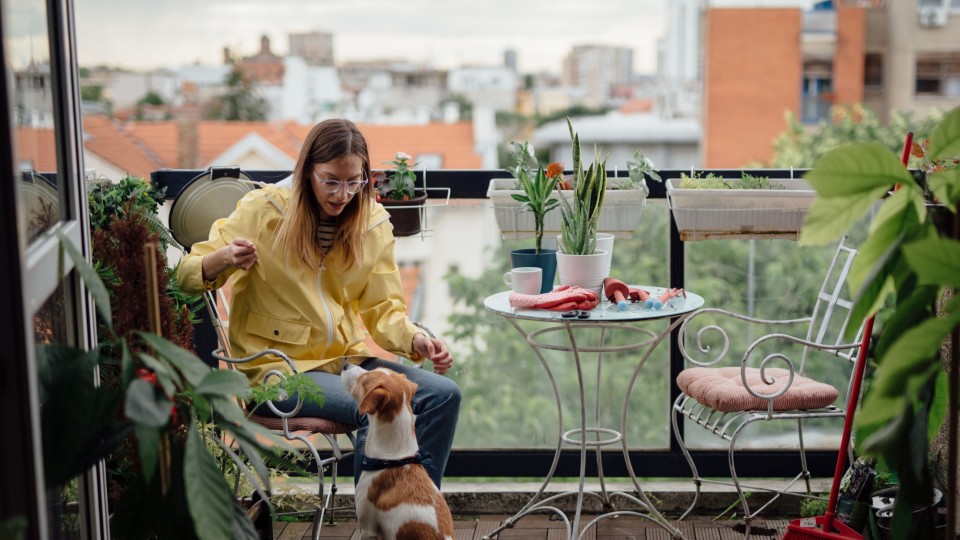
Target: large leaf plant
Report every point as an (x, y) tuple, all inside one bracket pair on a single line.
[(903, 270), (178, 409)]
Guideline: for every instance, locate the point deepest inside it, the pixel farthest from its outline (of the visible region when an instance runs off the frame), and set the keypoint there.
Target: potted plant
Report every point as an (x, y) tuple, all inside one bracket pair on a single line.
[(620, 216), (638, 169), (176, 410), (578, 261), (396, 191), (907, 263), (711, 206), (537, 197)]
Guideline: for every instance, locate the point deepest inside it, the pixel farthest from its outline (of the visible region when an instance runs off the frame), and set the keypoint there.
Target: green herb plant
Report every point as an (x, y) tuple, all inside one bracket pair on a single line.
[(638, 169), (579, 219), (538, 191), (908, 264), (715, 181)]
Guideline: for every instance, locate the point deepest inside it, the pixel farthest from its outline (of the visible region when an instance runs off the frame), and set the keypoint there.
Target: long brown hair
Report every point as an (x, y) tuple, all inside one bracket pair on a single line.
[(298, 233)]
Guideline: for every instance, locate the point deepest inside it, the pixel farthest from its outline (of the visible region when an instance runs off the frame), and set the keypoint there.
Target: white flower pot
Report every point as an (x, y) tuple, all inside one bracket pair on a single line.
[(620, 214), (741, 213), (604, 243), (586, 271)]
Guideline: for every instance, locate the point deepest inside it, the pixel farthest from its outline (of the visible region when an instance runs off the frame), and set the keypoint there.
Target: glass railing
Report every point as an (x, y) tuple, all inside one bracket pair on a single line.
[(508, 421)]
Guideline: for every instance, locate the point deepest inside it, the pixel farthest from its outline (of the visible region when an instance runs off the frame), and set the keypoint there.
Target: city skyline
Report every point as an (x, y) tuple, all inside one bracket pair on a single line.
[(439, 34)]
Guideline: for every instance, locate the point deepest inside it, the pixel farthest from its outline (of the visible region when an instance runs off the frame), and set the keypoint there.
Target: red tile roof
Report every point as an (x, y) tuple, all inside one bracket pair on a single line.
[(142, 147), (36, 146), (114, 143)]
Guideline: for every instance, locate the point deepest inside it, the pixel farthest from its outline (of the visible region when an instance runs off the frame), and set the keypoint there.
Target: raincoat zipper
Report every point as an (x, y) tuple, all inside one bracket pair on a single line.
[(326, 308)]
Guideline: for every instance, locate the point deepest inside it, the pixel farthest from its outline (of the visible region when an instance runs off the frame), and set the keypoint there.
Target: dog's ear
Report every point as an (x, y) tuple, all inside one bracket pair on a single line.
[(372, 399)]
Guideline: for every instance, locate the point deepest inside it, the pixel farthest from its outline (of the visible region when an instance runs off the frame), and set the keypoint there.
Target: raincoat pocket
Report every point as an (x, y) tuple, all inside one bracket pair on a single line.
[(278, 330)]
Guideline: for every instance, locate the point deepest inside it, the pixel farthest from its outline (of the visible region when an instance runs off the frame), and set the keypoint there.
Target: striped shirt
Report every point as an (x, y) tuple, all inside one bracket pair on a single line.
[(326, 234)]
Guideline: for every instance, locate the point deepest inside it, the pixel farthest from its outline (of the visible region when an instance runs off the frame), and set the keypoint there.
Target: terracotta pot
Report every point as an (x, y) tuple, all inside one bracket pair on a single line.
[(405, 215)]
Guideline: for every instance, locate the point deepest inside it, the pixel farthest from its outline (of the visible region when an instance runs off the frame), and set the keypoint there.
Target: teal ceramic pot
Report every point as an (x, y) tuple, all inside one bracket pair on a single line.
[(545, 260)]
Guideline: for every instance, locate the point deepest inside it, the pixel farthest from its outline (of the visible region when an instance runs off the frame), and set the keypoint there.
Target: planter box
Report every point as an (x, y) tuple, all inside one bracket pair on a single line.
[(620, 215), (703, 214)]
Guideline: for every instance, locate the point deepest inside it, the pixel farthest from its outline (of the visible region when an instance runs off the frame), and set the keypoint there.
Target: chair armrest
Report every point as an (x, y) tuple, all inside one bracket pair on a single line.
[(720, 331), (220, 356)]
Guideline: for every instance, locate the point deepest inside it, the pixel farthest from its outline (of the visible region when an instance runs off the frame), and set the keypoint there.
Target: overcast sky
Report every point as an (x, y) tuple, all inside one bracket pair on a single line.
[(143, 34)]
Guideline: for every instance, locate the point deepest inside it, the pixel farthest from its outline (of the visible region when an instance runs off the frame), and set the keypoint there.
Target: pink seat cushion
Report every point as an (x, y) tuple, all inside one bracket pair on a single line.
[(723, 389)]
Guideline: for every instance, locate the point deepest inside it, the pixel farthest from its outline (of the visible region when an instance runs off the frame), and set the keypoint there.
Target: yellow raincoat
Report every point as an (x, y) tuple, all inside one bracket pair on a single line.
[(311, 314)]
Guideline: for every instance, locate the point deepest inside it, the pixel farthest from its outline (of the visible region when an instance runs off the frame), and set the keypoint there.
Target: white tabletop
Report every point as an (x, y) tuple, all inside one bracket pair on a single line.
[(606, 312)]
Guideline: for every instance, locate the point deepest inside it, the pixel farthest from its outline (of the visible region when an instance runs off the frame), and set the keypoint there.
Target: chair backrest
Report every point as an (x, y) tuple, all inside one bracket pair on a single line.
[(218, 307), (833, 308)]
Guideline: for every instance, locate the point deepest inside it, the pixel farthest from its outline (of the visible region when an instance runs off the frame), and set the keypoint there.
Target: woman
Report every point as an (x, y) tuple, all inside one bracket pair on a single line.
[(307, 263)]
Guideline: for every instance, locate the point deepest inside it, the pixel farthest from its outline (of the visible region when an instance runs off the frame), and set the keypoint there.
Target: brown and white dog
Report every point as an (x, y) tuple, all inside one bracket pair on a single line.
[(395, 498)]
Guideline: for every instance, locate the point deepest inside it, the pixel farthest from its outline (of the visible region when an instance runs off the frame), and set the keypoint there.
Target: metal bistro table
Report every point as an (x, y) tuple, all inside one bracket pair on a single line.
[(604, 317)]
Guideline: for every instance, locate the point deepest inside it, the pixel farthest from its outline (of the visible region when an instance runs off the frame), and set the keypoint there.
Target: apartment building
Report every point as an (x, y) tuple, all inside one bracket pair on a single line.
[(597, 69), (316, 48), (761, 62)]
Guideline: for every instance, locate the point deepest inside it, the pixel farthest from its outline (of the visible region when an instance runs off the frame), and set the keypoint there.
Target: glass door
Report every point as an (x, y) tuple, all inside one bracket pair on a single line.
[(42, 203)]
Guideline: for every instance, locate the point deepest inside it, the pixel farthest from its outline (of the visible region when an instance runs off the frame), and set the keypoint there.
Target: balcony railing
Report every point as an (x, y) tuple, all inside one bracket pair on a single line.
[(719, 266)]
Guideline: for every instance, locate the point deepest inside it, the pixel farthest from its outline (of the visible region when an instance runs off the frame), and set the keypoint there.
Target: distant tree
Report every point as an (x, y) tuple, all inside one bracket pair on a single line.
[(240, 102), (151, 98), (800, 146), (93, 92)]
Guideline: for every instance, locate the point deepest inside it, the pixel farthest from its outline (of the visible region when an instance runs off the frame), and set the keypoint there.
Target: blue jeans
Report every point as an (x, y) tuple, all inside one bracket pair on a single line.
[(436, 404)]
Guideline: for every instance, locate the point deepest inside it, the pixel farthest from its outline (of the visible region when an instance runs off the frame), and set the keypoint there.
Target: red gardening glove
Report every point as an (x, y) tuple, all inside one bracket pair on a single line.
[(560, 299)]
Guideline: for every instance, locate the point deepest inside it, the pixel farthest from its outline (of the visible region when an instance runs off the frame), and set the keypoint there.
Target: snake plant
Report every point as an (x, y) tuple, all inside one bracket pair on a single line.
[(579, 219)]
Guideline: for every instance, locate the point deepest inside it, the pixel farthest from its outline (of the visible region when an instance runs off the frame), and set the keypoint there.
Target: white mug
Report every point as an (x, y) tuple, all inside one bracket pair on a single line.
[(524, 279)]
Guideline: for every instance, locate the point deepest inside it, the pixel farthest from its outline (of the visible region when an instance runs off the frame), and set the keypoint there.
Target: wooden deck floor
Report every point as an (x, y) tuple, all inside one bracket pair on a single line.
[(540, 527)]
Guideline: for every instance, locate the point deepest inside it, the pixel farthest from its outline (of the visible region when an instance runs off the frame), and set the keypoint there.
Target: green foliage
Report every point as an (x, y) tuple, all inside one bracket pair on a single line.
[(108, 200), (813, 507), (538, 192), (110, 203), (800, 146), (578, 225), (240, 102), (131, 193), (151, 98), (169, 395), (638, 169), (297, 383), (905, 263), (715, 181), (93, 92)]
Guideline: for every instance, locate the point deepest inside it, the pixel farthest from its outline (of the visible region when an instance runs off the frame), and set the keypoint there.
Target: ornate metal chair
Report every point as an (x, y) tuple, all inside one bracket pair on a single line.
[(204, 199), (767, 386), (307, 434)]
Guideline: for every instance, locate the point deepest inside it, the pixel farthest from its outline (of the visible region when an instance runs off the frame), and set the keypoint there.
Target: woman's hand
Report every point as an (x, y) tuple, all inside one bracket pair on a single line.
[(435, 350), (240, 253)]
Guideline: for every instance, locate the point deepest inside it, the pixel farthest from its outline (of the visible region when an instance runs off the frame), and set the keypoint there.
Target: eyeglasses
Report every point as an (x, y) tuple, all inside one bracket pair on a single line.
[(333, 186)]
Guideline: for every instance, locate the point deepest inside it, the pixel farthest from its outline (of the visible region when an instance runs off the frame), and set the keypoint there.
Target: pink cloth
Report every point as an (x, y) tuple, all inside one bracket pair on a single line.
[(562, 298)]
